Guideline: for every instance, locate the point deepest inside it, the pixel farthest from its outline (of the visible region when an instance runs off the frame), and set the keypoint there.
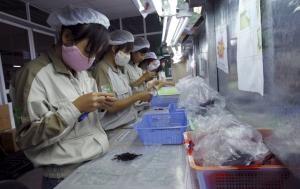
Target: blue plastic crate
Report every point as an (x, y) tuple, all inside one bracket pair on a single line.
[(164, 101), (167, 128), (174, 108)]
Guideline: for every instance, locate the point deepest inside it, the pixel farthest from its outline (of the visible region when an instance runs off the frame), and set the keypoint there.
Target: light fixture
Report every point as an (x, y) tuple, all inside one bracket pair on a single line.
[(165, 7), (197, 10), (158, 7), (144, 6), (16, 66), (174, 23), (180, 28), (172, 29), (165, 22)]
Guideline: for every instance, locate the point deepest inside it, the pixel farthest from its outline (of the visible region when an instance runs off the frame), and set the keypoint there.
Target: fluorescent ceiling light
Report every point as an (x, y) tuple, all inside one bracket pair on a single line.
[(16, 66), (175, 29), (144, 6), (172, 29), (164, 29), (184, 21), (158, 6), (173, 23), (173, 6)]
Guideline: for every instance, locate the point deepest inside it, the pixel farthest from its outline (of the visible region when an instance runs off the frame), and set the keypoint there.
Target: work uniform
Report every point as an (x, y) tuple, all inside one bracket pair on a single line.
[(50, 133), (162, 76), (133, 73), (111, 79)]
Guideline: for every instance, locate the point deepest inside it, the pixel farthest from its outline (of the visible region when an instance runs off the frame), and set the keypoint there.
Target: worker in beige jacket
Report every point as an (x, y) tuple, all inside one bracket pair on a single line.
[(58, 101), (110, 77), (138, 78)]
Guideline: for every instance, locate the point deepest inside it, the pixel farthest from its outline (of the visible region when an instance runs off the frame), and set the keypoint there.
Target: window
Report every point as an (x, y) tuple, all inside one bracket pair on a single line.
[(155, 43), (42, 42), (14, 7), (114, 25), (133, 24), (38, 16), (153, 24), (14, 49)]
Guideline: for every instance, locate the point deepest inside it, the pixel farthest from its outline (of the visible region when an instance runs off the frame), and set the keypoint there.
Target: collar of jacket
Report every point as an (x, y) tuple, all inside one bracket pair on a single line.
[(132, 63), (57, 62), (107, 61)]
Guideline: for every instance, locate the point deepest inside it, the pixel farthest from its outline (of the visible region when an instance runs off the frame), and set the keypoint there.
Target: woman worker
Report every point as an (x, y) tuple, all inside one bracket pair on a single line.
[(152, 64), (110, 77), (58, 101), (137, 78)]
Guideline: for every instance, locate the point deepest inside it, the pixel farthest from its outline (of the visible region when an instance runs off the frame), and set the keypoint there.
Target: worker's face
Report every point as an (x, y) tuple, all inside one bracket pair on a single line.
[(138, 57), (122, 57), (67, 40)]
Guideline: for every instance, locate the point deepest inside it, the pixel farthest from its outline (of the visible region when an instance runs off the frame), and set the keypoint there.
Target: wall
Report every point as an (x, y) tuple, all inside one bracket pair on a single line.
[(179, 71), (281, 61)]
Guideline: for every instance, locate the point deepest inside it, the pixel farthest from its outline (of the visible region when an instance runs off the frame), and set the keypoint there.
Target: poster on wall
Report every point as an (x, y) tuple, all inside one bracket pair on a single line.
[(249, 47), (221, 47)]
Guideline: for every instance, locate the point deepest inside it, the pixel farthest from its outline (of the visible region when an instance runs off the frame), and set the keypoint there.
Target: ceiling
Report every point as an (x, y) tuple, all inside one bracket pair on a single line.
[(111, 8)]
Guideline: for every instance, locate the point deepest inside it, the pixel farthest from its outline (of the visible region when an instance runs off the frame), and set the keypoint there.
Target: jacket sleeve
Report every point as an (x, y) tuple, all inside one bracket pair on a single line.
[(42, 123), (128, 74), (102, 80)]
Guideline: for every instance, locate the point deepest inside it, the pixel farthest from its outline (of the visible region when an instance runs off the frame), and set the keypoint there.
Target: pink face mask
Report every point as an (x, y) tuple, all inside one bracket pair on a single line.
[(75, 59)]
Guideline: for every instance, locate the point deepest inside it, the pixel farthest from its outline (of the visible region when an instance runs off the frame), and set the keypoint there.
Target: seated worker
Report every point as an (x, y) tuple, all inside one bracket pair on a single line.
[(56, 101), (137, 78), (110, 78), (154, 65)]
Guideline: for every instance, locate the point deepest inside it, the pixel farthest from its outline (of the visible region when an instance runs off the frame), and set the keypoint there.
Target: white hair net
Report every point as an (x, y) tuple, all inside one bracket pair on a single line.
[(153, 65), (120, 37), (151, 55), (71, 16), (140, 43)]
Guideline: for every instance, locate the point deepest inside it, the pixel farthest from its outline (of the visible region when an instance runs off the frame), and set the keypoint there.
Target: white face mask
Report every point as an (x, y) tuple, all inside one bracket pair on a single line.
[(122, 58), (153, 65)]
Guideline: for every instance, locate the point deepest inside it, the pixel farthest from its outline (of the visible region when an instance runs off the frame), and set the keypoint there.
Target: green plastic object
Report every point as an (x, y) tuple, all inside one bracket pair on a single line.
[(167, 91)]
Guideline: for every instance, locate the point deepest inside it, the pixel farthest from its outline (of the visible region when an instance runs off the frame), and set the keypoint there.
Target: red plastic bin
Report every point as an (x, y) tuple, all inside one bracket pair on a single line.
[(239, 177)]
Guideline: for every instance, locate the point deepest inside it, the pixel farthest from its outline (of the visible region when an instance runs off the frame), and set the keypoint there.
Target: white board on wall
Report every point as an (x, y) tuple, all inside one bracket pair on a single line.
[(221, 48), (249, 47)]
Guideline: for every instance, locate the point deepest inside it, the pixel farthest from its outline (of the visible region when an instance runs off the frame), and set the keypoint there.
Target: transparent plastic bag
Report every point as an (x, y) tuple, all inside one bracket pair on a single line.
[(284, 143), (196, 96), (225, 141)]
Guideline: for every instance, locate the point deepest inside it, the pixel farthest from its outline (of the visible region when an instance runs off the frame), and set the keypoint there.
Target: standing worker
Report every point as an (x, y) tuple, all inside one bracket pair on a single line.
[(110, 77), (58, 101), (137, 78)]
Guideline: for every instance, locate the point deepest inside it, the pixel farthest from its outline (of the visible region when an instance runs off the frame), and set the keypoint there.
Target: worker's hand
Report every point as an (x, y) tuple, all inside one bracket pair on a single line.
[(108, 101), (93, 101), (149, 76), (156, 82), (145, 96)]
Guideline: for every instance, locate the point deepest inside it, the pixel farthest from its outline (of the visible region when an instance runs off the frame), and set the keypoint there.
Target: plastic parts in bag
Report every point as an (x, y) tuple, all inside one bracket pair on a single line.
[(227, 142), (284, 143), (196, 96)]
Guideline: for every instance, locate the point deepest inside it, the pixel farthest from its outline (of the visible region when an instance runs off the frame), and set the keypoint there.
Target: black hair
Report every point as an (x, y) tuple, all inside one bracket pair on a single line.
[(159, 69), (127, 46), (96, 34), (143, 50)]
